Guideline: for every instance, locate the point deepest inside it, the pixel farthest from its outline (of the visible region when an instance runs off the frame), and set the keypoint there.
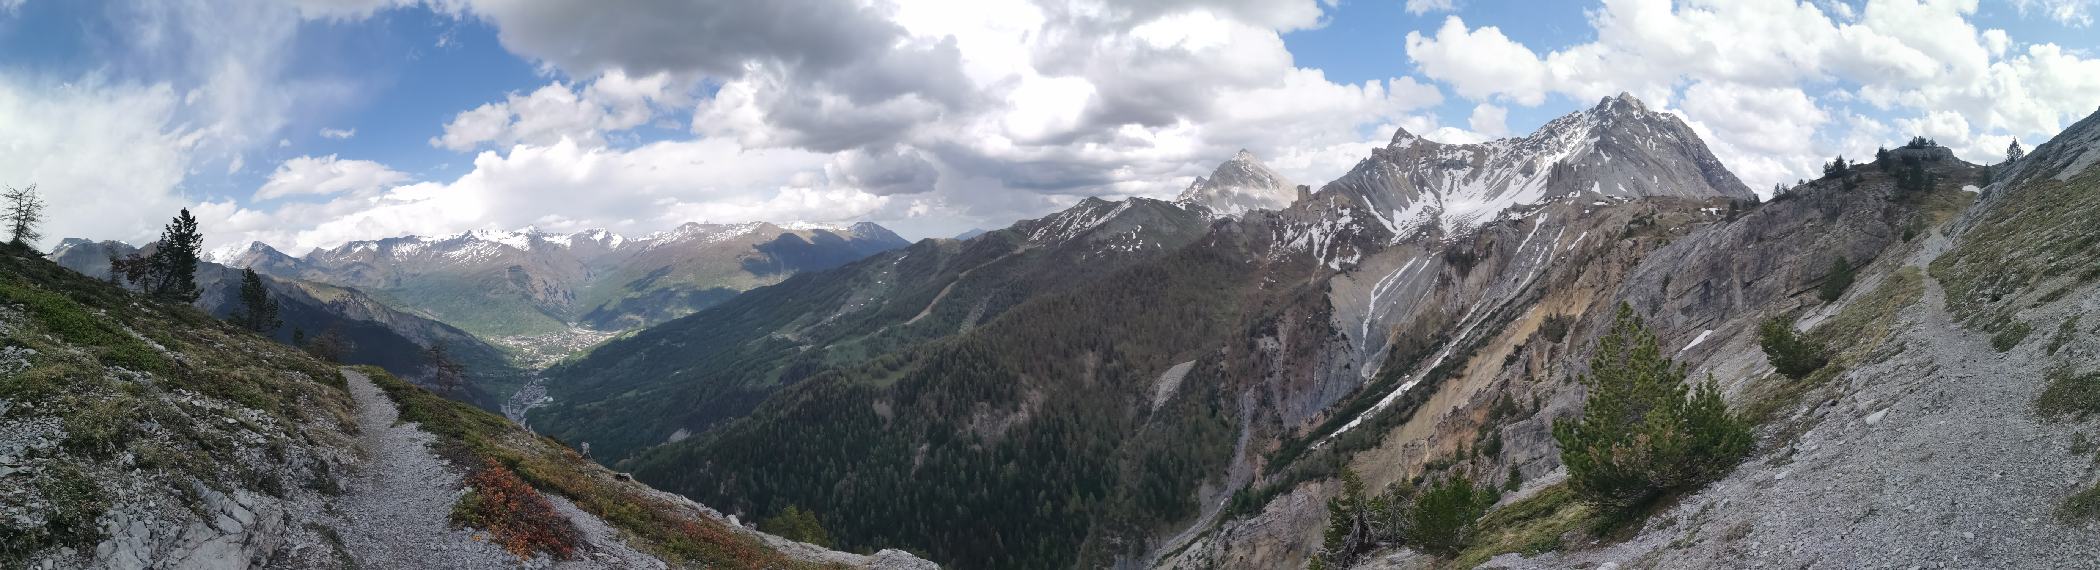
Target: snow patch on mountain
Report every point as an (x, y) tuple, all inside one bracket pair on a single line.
[(1238, 186)]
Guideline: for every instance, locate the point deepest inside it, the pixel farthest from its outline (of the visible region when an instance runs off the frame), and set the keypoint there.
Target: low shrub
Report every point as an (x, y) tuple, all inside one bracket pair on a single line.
[(2069, 395), (794, 523), (518, 517), (2011, 335), (1794, 356)]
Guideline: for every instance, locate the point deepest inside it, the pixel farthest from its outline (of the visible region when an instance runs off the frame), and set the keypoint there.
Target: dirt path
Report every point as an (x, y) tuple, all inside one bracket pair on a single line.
[(394, 512)]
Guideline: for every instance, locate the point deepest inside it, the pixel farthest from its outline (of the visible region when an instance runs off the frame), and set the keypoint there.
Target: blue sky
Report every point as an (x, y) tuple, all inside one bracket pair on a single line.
[(305, 123)]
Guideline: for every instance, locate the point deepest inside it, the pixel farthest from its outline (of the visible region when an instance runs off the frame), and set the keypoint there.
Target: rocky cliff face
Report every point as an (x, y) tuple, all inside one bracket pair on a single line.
[(1945, 347), (1447, 333)]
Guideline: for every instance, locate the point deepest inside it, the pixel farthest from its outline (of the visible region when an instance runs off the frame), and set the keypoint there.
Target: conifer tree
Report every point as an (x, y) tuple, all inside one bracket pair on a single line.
[(1793, 356), (24, 210), (1837, 281), (1643, 432), (173, 266), (258, 311), (2014, 153), (1444, 518)]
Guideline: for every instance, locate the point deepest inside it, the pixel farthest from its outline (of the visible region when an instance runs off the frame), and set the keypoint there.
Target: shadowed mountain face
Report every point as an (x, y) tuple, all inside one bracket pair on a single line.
[(1124, 367), (501, 284)]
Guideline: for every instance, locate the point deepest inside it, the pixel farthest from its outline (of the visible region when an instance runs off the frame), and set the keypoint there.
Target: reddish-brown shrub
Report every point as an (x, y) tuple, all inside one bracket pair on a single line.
[(514, 514)]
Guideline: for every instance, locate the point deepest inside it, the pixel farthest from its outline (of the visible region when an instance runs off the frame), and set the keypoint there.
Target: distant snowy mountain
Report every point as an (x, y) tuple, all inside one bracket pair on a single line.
[(1239, 185), (528, 281)]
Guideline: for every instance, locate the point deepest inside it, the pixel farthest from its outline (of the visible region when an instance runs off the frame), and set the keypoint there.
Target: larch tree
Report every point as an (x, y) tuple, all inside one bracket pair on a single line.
[(24, 210)]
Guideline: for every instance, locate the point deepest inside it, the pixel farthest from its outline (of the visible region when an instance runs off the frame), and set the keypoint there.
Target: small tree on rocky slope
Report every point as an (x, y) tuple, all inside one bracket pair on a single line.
[(1794, 356), (258, 311), (1644, 433)]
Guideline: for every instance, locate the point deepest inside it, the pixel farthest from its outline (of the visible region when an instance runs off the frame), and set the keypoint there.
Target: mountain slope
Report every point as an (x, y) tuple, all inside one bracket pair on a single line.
[(503, 284), (1942, 391), (686, 375), (377, 334), (1131, 414), (138, 434)]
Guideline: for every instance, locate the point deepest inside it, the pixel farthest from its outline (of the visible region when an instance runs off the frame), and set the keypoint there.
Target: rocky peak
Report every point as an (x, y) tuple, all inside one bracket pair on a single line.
[(257, 255), (1618, 148), (1239, 185)]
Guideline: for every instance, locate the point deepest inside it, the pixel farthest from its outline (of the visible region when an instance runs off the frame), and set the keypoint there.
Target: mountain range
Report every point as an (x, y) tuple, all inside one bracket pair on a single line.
[(1221, 380), (500, 284), (1120, 368)]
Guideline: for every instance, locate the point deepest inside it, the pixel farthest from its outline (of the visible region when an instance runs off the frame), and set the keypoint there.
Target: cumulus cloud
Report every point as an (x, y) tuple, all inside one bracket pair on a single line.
[(1480, 63), (1489, 120), (338, 134), (327, 175), (586, 114), (105, 156)]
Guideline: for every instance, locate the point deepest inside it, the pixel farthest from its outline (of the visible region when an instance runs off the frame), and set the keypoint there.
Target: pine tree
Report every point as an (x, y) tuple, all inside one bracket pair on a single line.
[(1837, 281), (258, 311), (1643, 432), (1348, 524), (2014, 153), (172, 269), (1793, 356), (1444, 519), (25, 209)]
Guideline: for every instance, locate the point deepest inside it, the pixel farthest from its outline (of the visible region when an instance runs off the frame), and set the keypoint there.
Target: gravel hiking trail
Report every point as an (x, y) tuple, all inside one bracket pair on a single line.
[(396, 509)]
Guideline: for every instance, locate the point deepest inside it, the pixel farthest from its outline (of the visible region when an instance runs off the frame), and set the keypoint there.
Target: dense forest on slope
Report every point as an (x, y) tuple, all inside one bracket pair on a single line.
[(691, 373), (1028, 443)]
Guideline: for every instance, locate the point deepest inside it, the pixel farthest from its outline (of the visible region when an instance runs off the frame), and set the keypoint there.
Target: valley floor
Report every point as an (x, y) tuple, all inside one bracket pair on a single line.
[(1929, 457)]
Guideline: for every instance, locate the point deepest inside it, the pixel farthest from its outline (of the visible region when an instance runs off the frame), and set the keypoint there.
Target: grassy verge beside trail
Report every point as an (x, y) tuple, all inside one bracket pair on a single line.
[(474, 436)]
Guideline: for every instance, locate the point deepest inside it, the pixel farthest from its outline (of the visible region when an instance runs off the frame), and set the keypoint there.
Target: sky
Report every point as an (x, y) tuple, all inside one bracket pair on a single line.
[(309, 123)]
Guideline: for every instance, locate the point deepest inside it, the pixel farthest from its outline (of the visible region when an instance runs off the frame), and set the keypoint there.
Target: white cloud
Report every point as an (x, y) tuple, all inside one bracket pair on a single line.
[(327, 175), (1489, 120), (1480, 63), (611, 103), (106, 157), (2074, 13), (338, 134), (1420, 7)]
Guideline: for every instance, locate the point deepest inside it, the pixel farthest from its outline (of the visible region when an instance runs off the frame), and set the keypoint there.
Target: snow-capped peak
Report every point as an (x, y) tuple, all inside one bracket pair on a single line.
[(1238, 186), (1617, 148)]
